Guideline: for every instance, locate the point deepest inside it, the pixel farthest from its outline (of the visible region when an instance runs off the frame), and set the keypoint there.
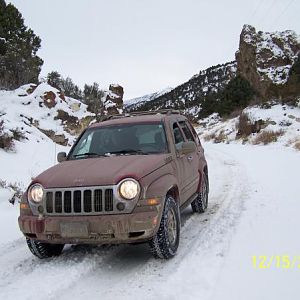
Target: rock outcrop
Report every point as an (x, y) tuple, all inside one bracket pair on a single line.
[(113, 99), (265, 59)]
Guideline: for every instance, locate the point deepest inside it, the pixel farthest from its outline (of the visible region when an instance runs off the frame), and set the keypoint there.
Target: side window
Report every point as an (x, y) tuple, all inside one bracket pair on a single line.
[(187, 132), (177, 135), (194, 133)]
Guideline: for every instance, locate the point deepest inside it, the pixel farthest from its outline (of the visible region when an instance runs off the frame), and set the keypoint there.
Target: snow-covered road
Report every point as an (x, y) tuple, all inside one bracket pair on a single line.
[(253, 209)]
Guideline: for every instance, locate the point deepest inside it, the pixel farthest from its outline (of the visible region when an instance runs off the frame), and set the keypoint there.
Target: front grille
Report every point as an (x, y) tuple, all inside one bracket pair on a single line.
[(80, 201)]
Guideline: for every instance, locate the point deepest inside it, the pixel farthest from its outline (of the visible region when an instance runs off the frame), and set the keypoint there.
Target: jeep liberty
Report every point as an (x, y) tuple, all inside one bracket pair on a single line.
[(125, 180)]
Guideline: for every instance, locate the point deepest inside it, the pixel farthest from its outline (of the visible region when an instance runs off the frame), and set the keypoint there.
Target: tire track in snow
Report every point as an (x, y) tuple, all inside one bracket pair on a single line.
[(126, 270), (200, 235)]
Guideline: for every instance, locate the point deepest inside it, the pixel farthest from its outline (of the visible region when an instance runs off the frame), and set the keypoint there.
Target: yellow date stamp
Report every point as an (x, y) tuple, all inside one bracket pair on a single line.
[(276, 261)]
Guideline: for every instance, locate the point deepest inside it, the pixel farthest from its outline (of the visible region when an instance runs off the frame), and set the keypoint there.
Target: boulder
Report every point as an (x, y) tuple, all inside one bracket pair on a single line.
[(49, 99)]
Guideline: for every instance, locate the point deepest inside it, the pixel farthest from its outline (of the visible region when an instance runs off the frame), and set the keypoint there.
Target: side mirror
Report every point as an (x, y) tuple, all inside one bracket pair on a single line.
[(61, 156), (188, 147)]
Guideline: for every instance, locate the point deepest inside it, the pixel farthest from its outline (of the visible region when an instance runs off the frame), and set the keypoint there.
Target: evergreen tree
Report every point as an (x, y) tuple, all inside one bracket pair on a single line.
[(19, 63), (54, 79), (93, 98), (237, 94)]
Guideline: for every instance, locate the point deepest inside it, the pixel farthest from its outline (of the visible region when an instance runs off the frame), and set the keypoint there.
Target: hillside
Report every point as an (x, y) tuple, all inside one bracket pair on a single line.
[(276, 124), (268, 62), (135, 103), (37, 122), (189, 95)]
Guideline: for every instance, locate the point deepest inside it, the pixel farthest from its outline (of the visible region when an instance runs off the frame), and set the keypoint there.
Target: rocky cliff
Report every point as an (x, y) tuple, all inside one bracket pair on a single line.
[(265, 60)]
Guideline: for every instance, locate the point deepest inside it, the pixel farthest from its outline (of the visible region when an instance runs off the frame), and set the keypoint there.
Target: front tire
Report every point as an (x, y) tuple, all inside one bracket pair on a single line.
[(199, 205), (165, 243), (44, 250)]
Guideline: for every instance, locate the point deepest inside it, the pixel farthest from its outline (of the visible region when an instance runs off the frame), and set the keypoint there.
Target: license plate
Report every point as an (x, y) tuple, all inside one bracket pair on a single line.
[(74, 230)]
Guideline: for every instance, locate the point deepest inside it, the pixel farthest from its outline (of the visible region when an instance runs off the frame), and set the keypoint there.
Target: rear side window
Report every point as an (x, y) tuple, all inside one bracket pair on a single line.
[(194, 133), (177, 135), (187, 132)]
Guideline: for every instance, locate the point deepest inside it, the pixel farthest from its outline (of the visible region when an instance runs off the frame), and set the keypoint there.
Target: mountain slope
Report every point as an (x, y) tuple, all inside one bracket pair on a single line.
[(191, 94), (135, 103)]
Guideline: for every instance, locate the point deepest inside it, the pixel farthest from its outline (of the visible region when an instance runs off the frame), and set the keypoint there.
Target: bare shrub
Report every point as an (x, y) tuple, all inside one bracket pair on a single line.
[(18, 135), (267, 137), (220, 137), (6, 141), (17, 188), (244, 126), (209, 137), (297, 146)]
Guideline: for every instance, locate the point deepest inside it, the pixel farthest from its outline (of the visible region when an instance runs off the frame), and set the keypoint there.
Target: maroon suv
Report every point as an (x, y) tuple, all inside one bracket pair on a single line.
[(125, 180)]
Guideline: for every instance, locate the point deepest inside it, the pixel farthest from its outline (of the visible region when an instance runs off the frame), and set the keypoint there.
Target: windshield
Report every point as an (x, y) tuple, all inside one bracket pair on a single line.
[(131, 139)]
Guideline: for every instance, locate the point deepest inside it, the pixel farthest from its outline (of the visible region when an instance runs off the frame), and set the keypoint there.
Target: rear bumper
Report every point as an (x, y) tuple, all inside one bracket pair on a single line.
[(104, 229)]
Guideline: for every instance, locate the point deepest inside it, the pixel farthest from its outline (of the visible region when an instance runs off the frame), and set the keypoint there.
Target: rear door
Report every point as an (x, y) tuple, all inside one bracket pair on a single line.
[(192, 159), (182, 165)]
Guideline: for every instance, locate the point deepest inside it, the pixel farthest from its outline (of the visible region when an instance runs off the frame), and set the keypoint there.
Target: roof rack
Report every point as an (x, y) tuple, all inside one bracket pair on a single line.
[(167, 112), (154, 112)]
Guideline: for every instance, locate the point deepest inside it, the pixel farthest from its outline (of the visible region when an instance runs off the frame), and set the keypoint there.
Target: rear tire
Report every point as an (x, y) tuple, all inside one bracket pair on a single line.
[(165, 243), (199, 205), (44, 250)]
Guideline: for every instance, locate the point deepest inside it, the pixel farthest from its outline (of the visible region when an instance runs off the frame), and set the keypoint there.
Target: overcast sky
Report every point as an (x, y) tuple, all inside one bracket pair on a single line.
[(146, 45)]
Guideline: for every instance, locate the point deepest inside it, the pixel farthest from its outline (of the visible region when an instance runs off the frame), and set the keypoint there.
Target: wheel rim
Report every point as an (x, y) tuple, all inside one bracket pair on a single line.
[(172, 227)]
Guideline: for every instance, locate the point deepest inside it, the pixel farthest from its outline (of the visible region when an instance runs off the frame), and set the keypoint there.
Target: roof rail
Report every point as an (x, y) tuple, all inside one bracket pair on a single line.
[(141, 113), (159, 111)]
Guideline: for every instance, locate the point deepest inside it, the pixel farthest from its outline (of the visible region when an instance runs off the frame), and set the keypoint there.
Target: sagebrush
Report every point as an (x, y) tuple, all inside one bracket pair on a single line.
[(267, 137)]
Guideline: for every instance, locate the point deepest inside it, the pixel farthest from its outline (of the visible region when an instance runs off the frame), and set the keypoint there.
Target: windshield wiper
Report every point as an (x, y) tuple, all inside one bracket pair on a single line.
[(87, 154), (128, 151)]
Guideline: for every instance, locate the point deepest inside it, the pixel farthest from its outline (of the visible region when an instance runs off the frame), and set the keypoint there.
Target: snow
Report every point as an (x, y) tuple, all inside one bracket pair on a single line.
[(253, 210), (18, 107), (278, 117)]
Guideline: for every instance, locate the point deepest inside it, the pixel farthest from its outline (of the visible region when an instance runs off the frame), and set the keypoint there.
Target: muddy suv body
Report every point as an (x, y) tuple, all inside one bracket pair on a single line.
[(124, 181)]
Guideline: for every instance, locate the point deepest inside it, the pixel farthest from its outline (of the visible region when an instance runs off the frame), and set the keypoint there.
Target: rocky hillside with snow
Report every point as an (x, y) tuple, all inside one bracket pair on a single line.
[(268, 62), (42, 110), (135, 103), (271, 123), (265, 59), (189, 95), (36, 122)]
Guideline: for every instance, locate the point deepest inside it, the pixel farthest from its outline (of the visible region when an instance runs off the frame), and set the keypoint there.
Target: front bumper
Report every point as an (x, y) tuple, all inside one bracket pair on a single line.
[(100, 229)]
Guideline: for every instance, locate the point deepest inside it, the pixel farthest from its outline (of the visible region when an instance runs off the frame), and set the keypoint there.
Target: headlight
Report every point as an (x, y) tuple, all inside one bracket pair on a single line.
[(36, 193), (129, 189)]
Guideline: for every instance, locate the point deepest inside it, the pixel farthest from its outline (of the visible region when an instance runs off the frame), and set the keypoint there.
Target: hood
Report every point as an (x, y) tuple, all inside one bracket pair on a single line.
[(100, 170)]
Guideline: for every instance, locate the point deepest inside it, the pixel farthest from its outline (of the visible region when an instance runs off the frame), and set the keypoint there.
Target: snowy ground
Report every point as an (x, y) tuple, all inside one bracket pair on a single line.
[(253, 210), (278, 117)]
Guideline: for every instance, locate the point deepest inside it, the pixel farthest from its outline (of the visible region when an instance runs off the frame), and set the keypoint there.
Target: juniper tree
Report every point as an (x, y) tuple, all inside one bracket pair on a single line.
[(19, 63)]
